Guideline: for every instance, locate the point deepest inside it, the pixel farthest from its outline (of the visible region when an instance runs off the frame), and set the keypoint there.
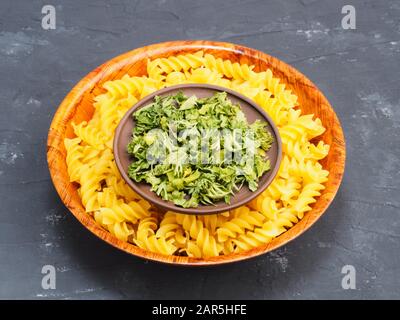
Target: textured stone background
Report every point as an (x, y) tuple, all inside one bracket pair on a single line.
[(358, 70)]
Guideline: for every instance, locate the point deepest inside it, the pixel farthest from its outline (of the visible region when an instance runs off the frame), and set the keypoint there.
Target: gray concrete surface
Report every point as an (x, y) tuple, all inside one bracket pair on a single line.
[(358, 70)]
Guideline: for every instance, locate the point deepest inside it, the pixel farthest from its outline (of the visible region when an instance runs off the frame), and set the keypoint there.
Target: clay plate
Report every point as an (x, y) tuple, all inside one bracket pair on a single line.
[(252, 112)]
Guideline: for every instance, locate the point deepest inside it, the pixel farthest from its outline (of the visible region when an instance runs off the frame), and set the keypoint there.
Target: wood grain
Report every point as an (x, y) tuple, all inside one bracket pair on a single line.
[(78, 106)]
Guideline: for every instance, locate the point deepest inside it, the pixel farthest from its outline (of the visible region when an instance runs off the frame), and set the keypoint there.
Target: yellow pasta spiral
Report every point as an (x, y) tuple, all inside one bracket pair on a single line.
[(74, 156), (229, 69), (174, 64), (139, 87), (146, 239), (89, 134), (203, 240), (91, 178), (121, 230), (121, 188), (251, 239), (245, 220)]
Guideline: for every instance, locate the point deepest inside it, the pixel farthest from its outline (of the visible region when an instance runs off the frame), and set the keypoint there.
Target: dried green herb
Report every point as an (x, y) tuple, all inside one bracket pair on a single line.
[(197, 151)]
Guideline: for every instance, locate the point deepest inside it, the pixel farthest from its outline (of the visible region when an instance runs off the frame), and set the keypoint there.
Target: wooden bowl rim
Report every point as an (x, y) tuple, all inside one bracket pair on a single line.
[(67, 108), (170, 206)]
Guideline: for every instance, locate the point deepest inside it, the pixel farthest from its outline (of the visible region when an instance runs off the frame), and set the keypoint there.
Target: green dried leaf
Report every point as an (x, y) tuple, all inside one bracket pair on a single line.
[(179, 168)]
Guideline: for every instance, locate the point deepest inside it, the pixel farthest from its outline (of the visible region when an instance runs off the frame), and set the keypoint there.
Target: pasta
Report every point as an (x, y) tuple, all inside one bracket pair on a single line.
[(146, 239), (74, 157), (229, 69), (118, 209), (245, 220)]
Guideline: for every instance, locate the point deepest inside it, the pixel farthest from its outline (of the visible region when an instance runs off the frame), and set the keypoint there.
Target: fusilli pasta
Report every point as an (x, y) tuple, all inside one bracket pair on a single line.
[(117, 208)]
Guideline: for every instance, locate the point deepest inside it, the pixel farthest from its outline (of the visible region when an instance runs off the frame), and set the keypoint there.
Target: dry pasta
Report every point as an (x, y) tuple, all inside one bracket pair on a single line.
[(123, 213)]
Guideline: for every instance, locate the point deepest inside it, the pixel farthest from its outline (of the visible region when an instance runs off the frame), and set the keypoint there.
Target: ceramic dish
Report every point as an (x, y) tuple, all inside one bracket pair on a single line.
[(252, 112)]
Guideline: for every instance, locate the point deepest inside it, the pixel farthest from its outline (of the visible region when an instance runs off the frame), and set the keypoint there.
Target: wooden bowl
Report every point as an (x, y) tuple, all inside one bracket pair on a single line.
[(78, 106), (252, 111)]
